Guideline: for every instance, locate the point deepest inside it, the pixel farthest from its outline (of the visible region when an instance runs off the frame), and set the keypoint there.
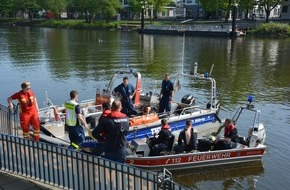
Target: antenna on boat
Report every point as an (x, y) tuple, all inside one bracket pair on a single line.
[(212, 66), (183, 48), (46, 99)]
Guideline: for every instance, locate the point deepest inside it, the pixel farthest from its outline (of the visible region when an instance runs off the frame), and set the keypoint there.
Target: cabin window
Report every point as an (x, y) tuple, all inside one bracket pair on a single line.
[(284, 9)]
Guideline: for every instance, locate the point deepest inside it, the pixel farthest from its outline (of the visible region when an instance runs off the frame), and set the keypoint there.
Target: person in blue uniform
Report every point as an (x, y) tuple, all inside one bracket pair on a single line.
[(166, 94), (127, 92)]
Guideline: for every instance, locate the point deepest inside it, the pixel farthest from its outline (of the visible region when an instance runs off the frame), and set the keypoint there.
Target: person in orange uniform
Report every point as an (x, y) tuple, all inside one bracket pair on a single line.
[(28, 110)]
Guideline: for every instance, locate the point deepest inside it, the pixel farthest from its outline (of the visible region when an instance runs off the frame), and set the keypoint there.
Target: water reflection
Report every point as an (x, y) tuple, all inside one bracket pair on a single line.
[(241, 176)]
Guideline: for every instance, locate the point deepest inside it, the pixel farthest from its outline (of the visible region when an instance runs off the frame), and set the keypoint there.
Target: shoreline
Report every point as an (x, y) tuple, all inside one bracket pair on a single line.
[(194, 28)]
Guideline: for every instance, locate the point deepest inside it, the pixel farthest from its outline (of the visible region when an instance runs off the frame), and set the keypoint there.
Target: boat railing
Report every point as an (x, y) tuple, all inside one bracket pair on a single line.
[(92, 110), (190, 110)]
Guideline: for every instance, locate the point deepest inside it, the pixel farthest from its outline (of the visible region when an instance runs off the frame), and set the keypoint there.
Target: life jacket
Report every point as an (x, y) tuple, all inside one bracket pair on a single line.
[(143, 120), (106, 113), (165, 127), (26, 103), (228, 130), (71, 118)]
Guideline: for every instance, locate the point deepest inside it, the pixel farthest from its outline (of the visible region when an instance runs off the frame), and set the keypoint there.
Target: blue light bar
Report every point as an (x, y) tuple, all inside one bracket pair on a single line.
[(251, 98)]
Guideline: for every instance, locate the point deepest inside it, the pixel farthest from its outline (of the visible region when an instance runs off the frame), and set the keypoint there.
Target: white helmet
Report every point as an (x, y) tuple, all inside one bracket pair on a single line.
[(211, 138)]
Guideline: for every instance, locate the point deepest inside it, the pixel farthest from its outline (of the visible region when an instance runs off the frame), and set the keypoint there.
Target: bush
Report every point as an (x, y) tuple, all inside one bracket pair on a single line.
[(78, 24), (271, 30)]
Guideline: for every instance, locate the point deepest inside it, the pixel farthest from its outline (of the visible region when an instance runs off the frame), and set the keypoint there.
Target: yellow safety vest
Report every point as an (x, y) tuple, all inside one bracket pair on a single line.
[(71, 118)]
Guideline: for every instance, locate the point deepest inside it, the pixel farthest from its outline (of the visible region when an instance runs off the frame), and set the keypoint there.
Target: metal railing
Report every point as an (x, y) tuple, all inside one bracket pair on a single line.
[(9, 121), (69, 169)]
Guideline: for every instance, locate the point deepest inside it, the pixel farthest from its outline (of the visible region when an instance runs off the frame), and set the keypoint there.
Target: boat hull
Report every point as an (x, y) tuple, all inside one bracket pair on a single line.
[(198, 159)]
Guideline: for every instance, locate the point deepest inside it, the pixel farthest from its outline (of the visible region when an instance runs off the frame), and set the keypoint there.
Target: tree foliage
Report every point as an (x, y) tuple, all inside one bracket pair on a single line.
[(269, 5), (55, 6), (213, 5), (91, 8), (135, 7), (5, 7), (109, 9), (246, 6)]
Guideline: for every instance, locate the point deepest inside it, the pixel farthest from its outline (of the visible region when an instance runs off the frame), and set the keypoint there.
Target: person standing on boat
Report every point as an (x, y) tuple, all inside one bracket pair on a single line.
[(115, 128), (166, 94), (127, 92), (28, 110), (163, 141), (106, 113), (73, 121), (99, 149), (187, 139)]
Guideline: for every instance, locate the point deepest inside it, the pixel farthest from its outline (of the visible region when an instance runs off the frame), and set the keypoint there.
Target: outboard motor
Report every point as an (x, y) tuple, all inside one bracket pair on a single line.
[(140, 147), (188, 99), (208, 105), (257, 135)]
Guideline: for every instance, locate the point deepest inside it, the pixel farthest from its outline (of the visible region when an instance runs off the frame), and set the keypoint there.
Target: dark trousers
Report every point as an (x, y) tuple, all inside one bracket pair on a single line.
[(164, 104), (157, 148), (76, 134), (128, 107), (117, 156)]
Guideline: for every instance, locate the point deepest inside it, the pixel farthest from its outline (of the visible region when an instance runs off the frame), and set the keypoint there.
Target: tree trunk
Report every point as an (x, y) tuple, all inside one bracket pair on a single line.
[(228, 11), (87, 17), (247, 14), (30, 16), (155, 14), (267, 15)]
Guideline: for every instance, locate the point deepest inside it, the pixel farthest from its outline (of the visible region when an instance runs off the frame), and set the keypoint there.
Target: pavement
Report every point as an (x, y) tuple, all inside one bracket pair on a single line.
[(10, 181)]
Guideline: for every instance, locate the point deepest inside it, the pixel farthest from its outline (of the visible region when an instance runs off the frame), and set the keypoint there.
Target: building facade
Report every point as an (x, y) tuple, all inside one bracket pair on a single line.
[(285, 12)]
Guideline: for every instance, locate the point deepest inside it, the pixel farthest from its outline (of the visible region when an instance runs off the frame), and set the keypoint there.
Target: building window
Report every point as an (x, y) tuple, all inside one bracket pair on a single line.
[(284, 9), (189, 2)]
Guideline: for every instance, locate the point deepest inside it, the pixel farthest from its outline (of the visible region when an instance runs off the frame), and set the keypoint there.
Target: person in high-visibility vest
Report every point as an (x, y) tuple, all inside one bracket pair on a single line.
[(73, 120), (28, 110)]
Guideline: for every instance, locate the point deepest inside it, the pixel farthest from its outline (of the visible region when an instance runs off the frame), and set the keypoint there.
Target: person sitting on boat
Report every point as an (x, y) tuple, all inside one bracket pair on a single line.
[(187, 139), (146, 110), (115, 128), (73, 120), (127, 92), (231, 137), (163, 141), (166, 94), (230, 131)]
